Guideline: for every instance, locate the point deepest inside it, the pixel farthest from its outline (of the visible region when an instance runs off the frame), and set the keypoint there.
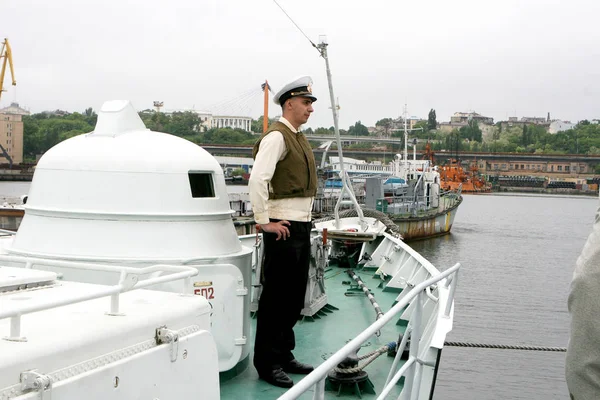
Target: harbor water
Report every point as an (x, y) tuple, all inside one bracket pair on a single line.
[(517, 254)]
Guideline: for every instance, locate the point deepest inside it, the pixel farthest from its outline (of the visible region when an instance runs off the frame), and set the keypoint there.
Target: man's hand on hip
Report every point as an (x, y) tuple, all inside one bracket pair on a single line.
[(278, 227)]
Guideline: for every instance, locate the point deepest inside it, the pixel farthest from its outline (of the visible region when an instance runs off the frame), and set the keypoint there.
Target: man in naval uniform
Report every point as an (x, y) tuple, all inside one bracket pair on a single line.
[(583, 353), (282, 187)]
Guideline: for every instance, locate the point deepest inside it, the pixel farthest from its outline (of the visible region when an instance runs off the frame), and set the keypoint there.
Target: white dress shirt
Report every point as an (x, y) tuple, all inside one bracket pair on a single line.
[(272, 150)]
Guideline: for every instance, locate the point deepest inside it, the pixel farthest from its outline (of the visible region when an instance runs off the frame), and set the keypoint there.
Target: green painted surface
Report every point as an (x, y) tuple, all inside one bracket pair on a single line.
[(235, 371), (319, 338)]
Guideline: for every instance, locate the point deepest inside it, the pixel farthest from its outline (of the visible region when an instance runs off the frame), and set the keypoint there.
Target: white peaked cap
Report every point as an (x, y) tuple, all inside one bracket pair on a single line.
[(301, 86)]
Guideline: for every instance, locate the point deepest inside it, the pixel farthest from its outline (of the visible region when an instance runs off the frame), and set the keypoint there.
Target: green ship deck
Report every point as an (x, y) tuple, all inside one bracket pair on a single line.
[(319, 338)]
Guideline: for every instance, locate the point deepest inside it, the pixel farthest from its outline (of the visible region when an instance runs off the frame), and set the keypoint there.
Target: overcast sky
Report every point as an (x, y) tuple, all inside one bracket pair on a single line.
[(499, 58)]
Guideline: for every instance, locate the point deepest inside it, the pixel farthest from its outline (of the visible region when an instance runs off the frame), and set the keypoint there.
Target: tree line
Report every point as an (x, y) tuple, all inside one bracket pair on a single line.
[(44, 130)]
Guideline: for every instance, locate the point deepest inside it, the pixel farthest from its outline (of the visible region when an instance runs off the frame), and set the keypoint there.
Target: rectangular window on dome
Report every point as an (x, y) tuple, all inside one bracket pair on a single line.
[(201, 184)]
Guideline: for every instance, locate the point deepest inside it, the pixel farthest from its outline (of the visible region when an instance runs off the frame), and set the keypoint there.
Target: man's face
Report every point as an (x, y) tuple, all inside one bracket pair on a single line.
[(299, 109)]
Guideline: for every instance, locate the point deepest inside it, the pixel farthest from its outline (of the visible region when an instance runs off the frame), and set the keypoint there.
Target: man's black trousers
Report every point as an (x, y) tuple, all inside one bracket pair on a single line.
[(284, 278)]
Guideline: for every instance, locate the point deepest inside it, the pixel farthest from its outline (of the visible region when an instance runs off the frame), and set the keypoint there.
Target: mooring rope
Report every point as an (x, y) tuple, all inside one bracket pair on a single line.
[(372, 356), (504, 346), (391, 227)]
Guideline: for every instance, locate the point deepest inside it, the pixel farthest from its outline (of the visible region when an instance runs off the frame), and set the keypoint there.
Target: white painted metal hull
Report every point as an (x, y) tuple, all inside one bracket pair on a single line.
[(84, 350)]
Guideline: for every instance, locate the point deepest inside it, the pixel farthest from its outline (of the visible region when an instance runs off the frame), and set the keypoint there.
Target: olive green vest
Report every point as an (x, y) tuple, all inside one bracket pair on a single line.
[(296, 174)]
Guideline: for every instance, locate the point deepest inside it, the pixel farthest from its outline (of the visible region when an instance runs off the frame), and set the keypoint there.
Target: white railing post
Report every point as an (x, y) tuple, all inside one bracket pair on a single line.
[(15, 327), (319, 390), (415, 339), (187, 284), (399, 350), (453, 284), (114, 304)]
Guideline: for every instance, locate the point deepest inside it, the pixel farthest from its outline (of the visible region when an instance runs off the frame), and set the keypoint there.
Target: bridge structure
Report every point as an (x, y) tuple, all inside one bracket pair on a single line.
[(441, 156), (355, 139)]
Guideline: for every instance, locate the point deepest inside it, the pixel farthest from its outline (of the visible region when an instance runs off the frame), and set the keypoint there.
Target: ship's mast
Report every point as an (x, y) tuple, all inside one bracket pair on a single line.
[(405, 140), (322, 47), (347, 184)]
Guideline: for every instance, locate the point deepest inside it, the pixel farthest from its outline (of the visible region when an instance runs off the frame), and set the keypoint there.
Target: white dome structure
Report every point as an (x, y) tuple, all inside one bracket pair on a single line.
[(126, 195), (123, 191)]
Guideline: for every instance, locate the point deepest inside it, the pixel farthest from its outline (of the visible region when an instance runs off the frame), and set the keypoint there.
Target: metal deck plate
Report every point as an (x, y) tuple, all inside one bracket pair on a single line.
[(14, 278)]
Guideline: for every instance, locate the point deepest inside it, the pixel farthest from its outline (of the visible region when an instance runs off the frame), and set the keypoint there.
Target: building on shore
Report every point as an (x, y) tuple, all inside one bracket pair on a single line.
[(11, 134), (232, 121), (465, 117), (394, 126), (551, 126), (210, 121), (205, 119), (516, 122), (534, 167), (398, 124), (460, 119), (559, 126)]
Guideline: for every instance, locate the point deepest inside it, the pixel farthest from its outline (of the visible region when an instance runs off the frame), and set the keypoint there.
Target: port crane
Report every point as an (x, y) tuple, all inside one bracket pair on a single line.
[(6, 56)]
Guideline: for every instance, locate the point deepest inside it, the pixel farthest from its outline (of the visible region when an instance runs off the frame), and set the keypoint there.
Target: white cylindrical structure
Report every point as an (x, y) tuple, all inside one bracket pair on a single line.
[(126, 195), (126, 192)]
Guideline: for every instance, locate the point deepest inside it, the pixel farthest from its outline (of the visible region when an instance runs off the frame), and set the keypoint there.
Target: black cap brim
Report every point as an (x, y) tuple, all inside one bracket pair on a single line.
[(286, 96)]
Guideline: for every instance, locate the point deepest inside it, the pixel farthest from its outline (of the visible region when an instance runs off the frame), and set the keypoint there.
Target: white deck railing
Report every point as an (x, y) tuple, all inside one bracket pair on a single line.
[(128, 281), (412, 367)]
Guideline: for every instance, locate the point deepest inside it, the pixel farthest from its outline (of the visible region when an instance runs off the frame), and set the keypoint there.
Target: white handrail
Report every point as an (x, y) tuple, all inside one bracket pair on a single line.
[(322, 370), (128, 281), (104, 292), (31, 261)]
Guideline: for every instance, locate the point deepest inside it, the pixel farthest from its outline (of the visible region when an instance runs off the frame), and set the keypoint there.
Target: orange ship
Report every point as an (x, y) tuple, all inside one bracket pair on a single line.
[(453, 175)]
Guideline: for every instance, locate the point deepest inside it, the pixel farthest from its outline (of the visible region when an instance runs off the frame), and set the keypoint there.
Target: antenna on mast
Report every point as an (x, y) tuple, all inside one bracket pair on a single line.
[(404, 116), (347, 184), (293, 22)]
